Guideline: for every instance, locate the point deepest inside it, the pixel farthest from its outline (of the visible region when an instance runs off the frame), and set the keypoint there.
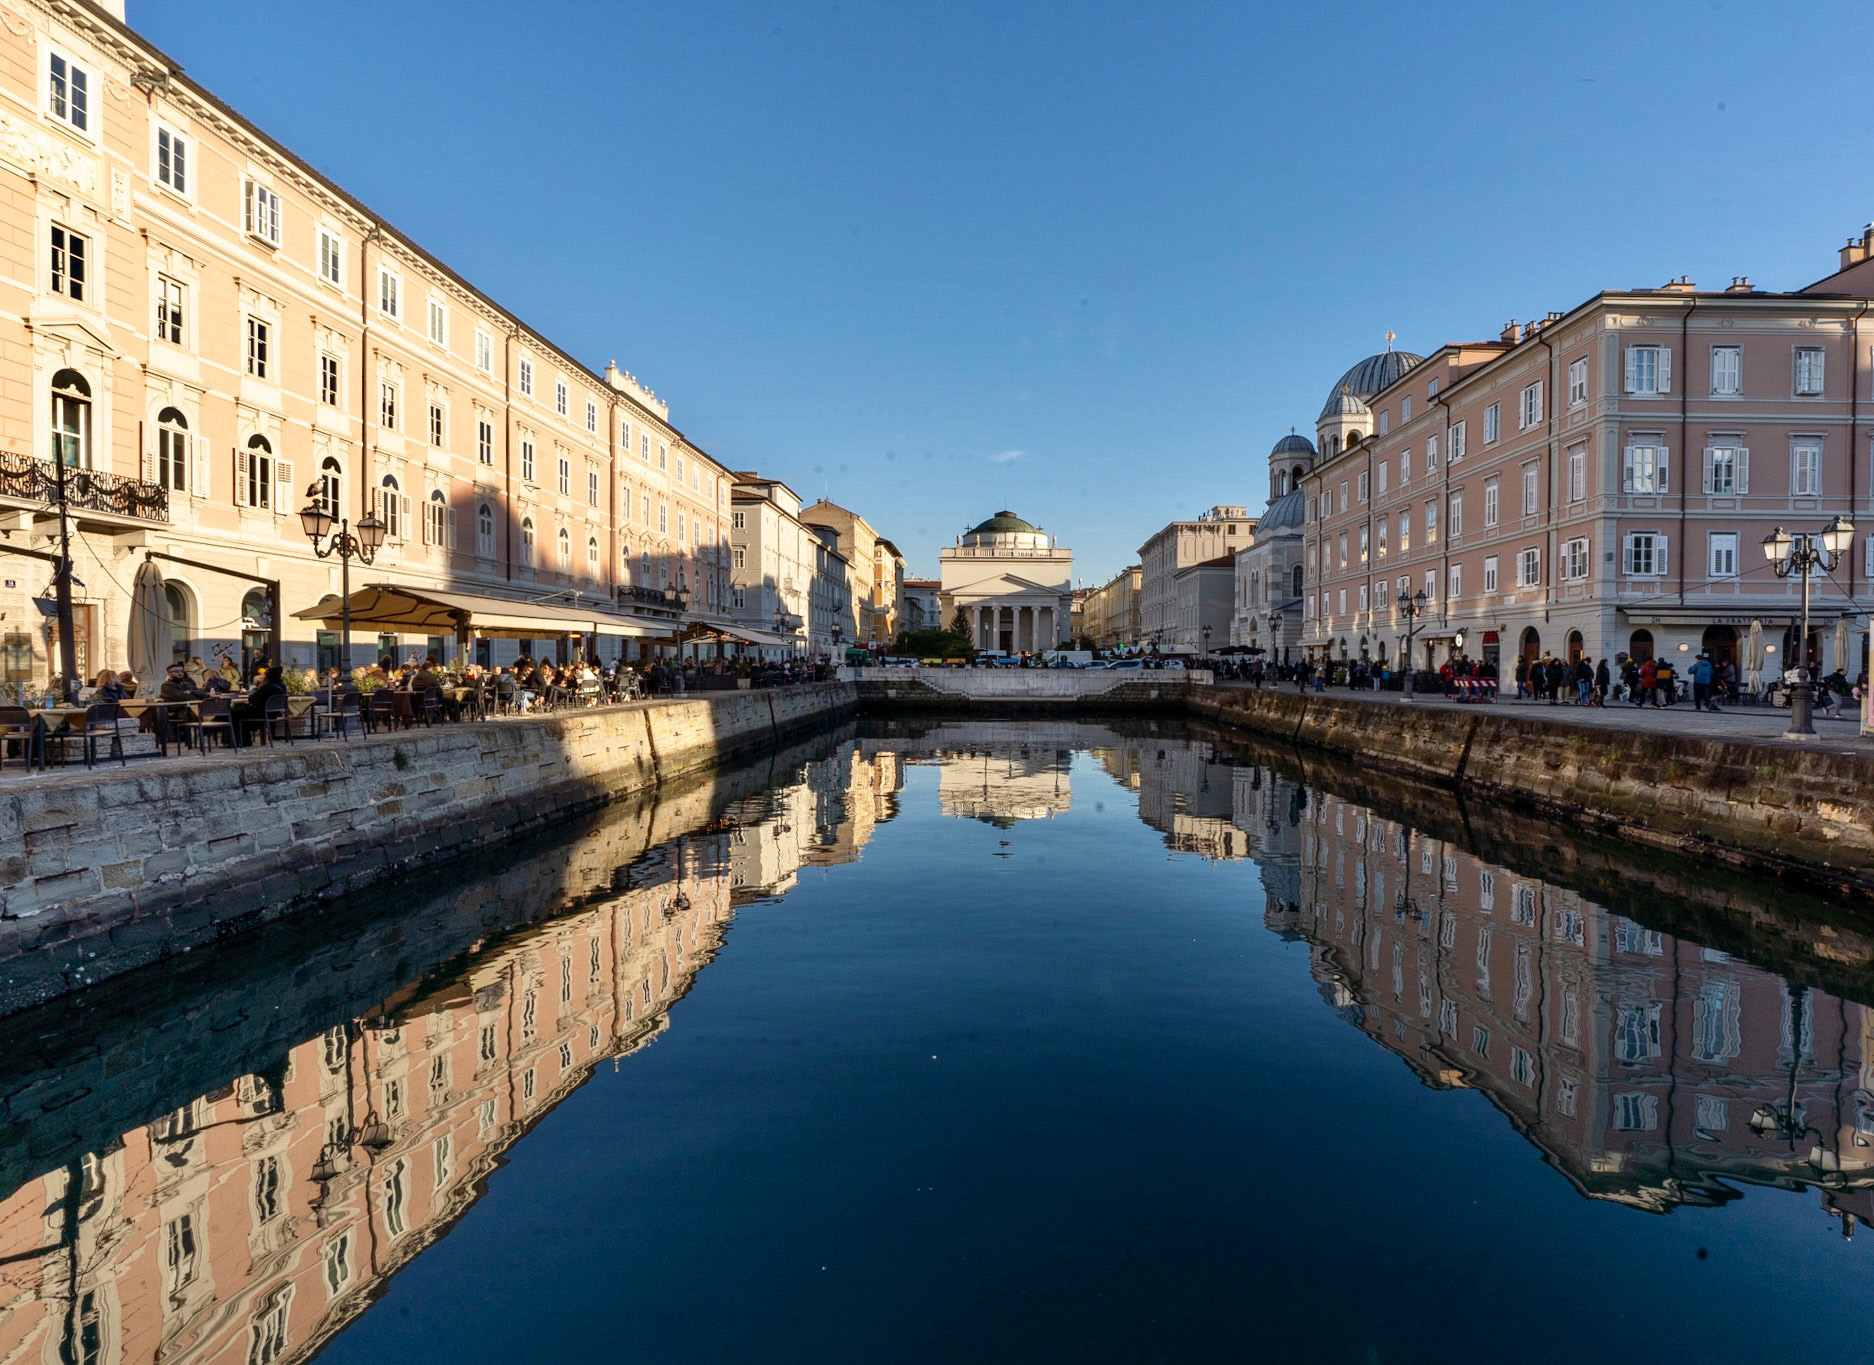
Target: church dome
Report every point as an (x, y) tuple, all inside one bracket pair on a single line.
[(1284, 512), (1003, 521), (1292, 444), (1344, 404), (1369, 376)]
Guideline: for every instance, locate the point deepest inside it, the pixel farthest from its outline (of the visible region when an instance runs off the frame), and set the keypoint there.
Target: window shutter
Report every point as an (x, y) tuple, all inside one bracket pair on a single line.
[(1659, 555), (452, 539), (240, 477), (1662, 464), (1711, 457), (1665, 369), (1626, 470), (149, 464), (403, 510), (1743, 469), (1626, 554), (1632, 378), (247, 197), (283, 488), (427, 540)]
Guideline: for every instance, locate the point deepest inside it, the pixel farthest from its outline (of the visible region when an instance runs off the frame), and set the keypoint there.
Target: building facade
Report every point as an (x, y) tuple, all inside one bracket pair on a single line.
[(1600, 482), (920, 605), (1266, 613), (1110, 614), (1012, 583), (771, 564), (1224, 529), (872, 603), (1205, 595)]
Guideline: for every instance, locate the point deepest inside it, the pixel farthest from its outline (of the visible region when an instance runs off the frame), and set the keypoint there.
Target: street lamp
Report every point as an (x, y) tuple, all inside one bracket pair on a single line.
[(1275, 633), (1411, 608), (317, 521), (1205, 632), (1799, 554)]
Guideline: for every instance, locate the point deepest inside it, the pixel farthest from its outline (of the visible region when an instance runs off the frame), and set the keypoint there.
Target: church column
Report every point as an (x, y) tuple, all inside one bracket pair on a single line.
[(1024, 629), (982, 631)]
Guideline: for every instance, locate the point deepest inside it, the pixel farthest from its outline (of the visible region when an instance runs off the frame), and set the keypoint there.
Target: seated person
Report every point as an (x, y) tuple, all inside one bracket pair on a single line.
[(105, 687), (253, 711), (178, 686)]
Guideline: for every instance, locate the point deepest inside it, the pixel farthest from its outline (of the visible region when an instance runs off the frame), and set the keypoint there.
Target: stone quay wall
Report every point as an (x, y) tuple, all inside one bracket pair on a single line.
[(1801, 812), (112, 868), (1005, 690)]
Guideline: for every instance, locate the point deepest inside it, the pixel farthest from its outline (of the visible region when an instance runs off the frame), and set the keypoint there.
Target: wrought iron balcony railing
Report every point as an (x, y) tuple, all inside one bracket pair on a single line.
[(32, 480), (651, 597)]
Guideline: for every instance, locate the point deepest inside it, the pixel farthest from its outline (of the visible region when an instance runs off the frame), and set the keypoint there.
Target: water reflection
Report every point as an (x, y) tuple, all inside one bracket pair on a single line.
[(208, 1179)]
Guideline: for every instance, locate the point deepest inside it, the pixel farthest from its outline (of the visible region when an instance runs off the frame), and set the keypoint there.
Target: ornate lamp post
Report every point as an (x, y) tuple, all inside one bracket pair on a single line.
[(1205, 632), (838, 634), (317, 521), (1275, 633), (678, 599), (1800, 554), (1411, 608)]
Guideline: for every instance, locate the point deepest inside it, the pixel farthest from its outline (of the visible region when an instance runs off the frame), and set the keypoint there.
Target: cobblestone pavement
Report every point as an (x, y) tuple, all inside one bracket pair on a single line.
[(1757, 724)]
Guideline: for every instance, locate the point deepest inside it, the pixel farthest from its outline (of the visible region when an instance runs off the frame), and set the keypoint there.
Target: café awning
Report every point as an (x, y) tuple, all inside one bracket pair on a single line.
[(746, 634), (430, 611)]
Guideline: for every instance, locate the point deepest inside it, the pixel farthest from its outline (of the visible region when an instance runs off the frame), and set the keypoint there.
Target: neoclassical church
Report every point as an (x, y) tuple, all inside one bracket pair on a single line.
[(1012, 582), (1269, 573)]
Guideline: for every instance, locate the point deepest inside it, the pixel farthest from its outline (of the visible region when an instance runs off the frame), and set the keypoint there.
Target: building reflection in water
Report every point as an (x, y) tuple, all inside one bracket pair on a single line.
[(253, 1222)]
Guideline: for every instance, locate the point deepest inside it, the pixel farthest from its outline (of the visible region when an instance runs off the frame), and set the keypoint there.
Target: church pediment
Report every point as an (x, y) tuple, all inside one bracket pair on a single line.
[(1005, 585)]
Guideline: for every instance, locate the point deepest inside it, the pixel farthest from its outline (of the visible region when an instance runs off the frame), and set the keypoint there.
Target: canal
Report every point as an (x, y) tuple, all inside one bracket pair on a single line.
[(990, 1040)]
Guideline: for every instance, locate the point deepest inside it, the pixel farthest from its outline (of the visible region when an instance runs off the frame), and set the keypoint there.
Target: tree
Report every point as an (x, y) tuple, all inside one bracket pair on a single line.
[(960, 625), (933, 644)]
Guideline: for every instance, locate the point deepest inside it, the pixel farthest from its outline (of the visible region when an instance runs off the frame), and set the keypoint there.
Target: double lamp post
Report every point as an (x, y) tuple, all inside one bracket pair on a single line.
[(1805, 554), (317, 520)]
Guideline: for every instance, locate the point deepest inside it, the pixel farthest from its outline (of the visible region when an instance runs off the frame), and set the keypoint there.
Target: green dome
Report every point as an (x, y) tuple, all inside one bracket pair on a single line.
[(1004, 520)]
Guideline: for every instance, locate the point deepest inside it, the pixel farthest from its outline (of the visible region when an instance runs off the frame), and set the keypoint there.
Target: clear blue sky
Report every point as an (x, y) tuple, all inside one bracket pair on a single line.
[(1083, 260)]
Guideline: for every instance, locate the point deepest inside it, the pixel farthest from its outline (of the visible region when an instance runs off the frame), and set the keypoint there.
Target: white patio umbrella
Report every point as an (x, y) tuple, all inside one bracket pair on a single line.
[(149, 642), (1841, 646), (1753, 655)]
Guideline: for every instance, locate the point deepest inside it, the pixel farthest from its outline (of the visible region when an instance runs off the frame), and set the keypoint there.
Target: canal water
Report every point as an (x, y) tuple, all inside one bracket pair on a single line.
[(1006, 1041)]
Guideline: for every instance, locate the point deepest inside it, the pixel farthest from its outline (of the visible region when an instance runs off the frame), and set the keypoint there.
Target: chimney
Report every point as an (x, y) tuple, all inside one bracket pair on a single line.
[(1682, 285), (1858, 249), (1740, 284), (1510, 333)]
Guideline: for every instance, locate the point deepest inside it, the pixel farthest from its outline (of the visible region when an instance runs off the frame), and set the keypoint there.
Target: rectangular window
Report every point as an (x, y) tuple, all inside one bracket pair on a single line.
[(1405, 531), (1532, 489), (527, 376), (1454, 525), (1490, 503), (435, 425), (1385, 421), (559, 397), (172, 160), (1431, 522), (485, 441), (1361, 606), (253, 479), (1727, 468), (331, 257), (172, 456), (168, 310), (1490, 574), (1493, 423), (70, 92), (387, 404), (527, 460), (1529, 410), (1809, 371), (438, 322), (1805, 468), (1382, 475), (1721, 554), (1454, 588), (566, 476), (328, 380), (1643, 554), (1643, 470), (1364, 489), (1529, 568), (1405, 408), (1649, 370), (592, 487), (592, 415), (1343, 601), (1727, 371), (1578, 474), (1457, 442), (484, 351), (389, 293), (740, 558), (1577, 382), (738, 520), (1575, 559), (1431, 454), (69, 260), (263, 213), (257, 346)]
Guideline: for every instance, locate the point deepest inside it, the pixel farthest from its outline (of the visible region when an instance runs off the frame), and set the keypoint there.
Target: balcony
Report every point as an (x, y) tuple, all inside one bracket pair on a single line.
[(86, 490)]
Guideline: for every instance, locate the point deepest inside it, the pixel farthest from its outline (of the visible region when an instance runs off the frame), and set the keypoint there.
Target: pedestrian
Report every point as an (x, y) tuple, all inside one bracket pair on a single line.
[(1665, 680), (1649, 684), (1584, 681), (1603, 679), (1522, 679), (1700, 673), (1557, 674)]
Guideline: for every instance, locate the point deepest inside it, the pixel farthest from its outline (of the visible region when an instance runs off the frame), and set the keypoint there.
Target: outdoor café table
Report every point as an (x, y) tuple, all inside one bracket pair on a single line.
[(168, 715)]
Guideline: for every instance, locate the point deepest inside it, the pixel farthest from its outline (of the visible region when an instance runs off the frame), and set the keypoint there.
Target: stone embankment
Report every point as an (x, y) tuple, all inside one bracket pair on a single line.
[(1005, 691), (1807, 813), (112, 868)]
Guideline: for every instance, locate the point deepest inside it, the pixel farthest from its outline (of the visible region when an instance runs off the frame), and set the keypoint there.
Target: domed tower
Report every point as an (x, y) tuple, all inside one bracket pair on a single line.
[(1345, 417), (1292, 457)]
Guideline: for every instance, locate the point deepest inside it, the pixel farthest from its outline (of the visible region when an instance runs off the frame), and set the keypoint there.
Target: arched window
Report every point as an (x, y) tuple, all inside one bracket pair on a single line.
[(592, 558), (436, 519), (181, 621), (485, 531), (1333, 445), (644, 568), (71, 419), (390, 507), (1640, 646), (254, 474), (1294, 477), (256, 611), (527, 542), (1353, 438), (566, 550), (624, 561), (330, 488), (1298, 582), (172, 450)]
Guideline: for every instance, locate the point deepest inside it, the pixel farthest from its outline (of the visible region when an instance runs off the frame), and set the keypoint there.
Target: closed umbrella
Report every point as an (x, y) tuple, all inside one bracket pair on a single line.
[(1753, 655), (150, 642), (1841, 644)]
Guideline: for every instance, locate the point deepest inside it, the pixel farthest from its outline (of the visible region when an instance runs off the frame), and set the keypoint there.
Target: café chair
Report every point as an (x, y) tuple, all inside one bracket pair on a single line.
[(17, 727), (216, 714)]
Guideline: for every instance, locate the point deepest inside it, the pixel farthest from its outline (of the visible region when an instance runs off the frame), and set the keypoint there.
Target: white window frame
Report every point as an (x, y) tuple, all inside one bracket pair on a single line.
[(484, 440), (1454, 523), (170, 155), (527, 459), (592, 416), (259, 347), (1651, 564), (484, 351), (1805, 466), (1645, 465), (437, 318), (592, 488), (1808, 371), (1532, 489), (1648, 370), (1727, 371), (1727, 468), (1529, 406), (565, 473), (1578, 474), (261, 212), (1490, 574), (331, 258), (1529, 567), (1454, 588), (562, 397), (1721, 554), (63, 246), (390, 293), (527, 376), (1493, 423), (1431, 521), (1493, 490), (68, 92), (172, 311), (1575, 559), (331, 379), (1455, 439), (1577, 382)]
